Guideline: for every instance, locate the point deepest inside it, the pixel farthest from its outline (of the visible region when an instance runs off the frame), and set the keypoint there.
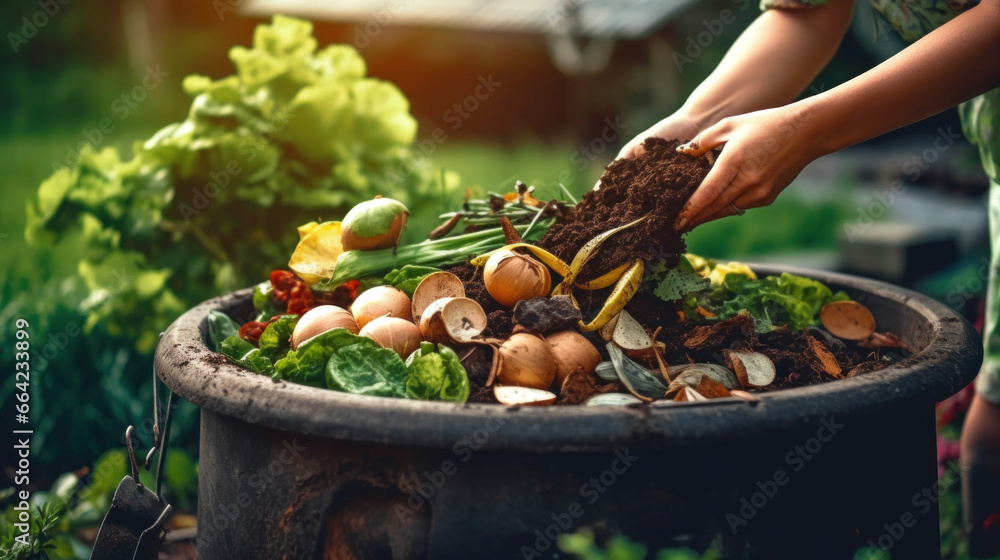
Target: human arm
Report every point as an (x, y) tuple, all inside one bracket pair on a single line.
[(772, 61), (765, 150)]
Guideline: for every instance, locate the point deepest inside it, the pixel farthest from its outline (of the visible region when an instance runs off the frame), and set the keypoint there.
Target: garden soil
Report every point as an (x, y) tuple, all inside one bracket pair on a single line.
[(656, 184)]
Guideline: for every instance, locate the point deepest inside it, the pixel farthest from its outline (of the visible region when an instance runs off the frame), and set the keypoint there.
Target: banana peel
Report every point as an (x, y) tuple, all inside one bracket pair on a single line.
[(547, 258), (624, 290), (605, 280), (583, 255)]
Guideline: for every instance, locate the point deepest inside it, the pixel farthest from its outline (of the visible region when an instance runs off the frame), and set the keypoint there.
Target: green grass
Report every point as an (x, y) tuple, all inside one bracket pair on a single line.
[(789, 225), (487, 167)]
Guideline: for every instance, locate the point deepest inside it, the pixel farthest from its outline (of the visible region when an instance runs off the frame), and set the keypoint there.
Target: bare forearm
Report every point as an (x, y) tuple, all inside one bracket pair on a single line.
[(952, 64), (770, 64)]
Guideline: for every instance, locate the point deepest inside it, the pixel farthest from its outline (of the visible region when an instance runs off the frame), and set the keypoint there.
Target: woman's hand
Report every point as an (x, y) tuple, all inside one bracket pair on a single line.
[(763, 152), (678, 125)]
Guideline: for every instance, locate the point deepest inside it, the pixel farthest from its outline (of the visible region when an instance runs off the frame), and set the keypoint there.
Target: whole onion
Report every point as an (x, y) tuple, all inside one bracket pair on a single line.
[(526, 361), (320, 319), (380, 301), (394, 333), (572, 352), (511, 277)]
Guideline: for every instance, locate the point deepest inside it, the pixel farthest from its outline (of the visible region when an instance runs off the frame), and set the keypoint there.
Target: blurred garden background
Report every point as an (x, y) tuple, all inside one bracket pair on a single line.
[(114, 256)]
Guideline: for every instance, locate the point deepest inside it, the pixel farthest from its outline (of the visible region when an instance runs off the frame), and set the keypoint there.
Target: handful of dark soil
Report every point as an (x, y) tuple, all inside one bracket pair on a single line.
[(657, 183)]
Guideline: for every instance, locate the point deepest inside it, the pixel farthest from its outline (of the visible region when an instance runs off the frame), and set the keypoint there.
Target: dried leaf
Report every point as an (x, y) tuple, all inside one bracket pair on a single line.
[(824, 359), (640, 381), (711, 388)]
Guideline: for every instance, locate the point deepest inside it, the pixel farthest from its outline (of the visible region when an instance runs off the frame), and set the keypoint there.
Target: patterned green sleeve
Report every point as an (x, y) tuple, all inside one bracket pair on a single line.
[(790, 4)]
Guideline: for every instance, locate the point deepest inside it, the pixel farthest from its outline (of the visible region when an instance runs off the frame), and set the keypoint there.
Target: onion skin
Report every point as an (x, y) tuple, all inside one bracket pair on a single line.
[(380, 301), (320, 319), (399, 335), (511, 277), (527, 362), (373, 224), (436, 286), (572, 352), (435, 319), (522, 396)]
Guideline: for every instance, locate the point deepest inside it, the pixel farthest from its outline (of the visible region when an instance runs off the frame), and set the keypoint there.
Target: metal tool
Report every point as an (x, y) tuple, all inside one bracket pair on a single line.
[(133, 526)]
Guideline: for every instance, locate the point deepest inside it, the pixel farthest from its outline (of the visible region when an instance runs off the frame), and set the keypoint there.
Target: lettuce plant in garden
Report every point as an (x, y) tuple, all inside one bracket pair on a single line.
[(209, 204), (206, 205)]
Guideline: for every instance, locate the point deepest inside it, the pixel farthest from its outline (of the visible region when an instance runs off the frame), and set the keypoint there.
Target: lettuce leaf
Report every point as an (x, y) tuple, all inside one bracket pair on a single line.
[(678, 283), (436, 374), (773, 301), (220, 327), (408, 277), (275, 340), (263, 302), (307, 363), (246, 355), (366, 369)]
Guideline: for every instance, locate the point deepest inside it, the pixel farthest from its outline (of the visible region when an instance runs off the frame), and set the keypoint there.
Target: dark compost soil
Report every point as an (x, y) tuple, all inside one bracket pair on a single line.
[(656, 184)]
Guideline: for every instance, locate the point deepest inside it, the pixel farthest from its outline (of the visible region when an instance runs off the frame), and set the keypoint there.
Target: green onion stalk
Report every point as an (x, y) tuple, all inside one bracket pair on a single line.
[(438, 253)]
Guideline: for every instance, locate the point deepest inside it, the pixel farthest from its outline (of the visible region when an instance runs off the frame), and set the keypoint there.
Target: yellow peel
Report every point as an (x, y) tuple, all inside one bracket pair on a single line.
[(306, 229), (583, 255), (605, 280), (316, 254), (626, 287), (550, 260)]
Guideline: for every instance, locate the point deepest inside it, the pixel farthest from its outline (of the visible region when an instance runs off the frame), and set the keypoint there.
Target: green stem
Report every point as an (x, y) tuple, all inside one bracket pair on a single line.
[(353, 265)]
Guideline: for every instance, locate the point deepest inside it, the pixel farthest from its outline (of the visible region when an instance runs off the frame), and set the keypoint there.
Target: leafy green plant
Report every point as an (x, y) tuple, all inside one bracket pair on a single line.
[(42, 539), (210, 204), (123, 245)]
